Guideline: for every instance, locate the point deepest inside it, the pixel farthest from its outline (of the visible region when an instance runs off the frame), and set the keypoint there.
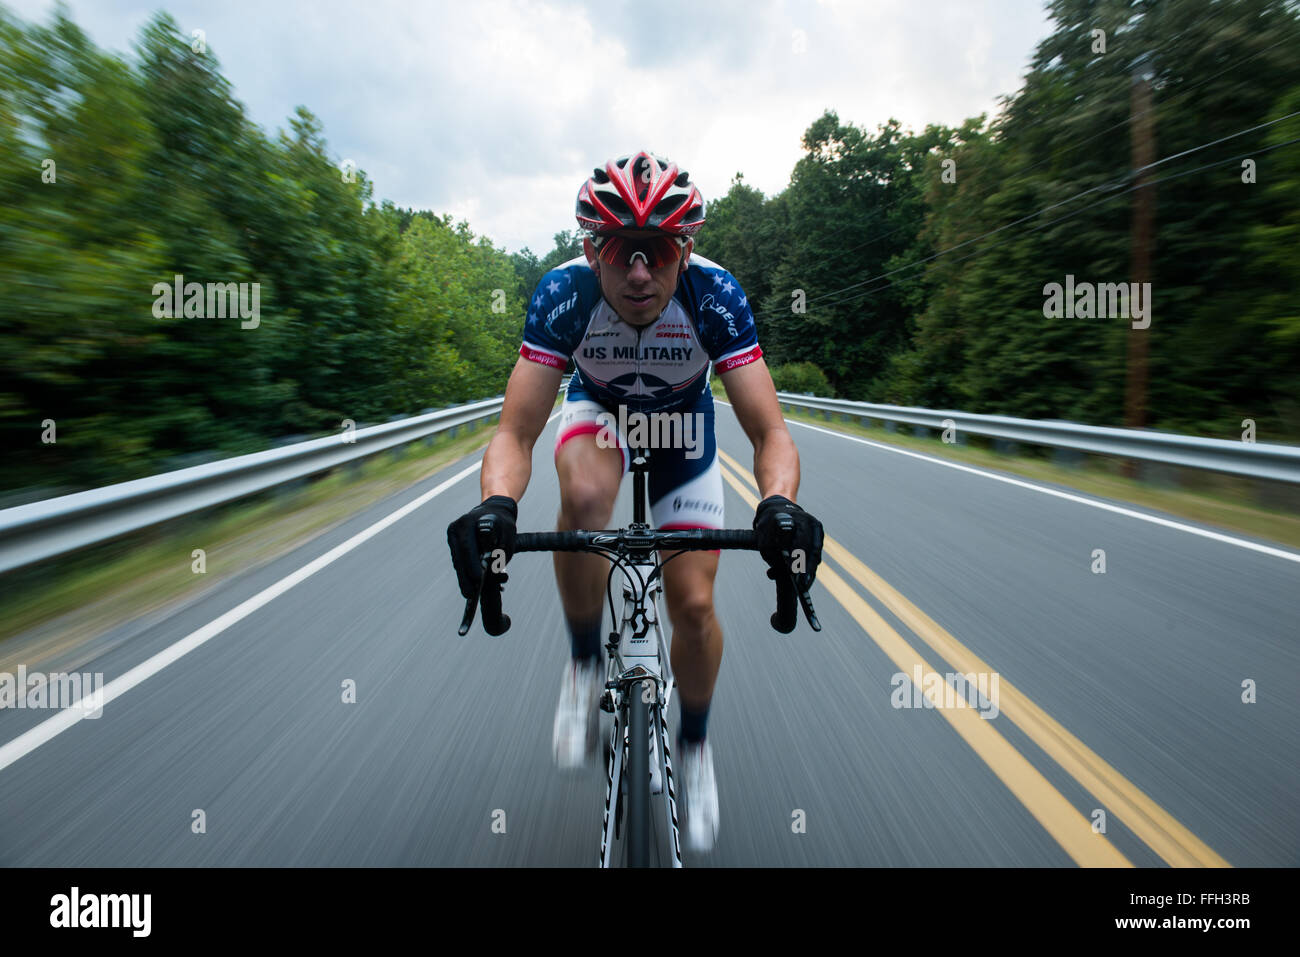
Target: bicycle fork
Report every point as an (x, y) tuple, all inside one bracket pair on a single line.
[(616, 768)]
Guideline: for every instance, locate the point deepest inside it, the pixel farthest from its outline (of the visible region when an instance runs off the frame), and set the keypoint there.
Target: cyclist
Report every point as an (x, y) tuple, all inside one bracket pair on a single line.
[(643, 318)]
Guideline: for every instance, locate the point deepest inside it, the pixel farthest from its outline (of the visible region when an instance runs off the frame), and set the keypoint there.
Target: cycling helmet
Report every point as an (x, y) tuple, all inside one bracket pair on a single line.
[(640, 191)]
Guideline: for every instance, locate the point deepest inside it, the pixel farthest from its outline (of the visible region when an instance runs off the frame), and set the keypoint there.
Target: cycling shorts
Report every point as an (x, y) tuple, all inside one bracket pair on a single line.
[(685, 478)]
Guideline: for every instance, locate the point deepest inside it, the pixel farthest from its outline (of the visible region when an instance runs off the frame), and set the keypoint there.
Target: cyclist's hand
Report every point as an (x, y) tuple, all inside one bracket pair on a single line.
[(804, 546), (462, 537)]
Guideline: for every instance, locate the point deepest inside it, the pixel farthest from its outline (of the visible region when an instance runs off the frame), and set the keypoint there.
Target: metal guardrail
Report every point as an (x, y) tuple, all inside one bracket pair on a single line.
[(1279, 463), (40, 530)]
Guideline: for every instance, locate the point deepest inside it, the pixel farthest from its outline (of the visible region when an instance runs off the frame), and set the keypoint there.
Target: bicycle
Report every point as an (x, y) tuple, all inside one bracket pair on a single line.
[(639, 681)]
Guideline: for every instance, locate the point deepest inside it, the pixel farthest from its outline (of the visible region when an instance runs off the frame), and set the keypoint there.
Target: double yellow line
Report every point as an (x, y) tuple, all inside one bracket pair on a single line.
[(1118, 796)]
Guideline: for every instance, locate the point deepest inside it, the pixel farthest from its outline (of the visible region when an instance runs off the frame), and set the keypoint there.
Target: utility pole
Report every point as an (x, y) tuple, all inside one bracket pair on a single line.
[(1142, 134)]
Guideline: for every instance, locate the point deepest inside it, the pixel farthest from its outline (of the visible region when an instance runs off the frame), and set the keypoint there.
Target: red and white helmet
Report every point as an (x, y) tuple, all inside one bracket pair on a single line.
[(640, 191)]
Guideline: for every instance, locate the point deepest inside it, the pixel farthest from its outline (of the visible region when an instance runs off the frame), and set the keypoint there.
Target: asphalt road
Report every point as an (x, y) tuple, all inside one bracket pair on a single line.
[(1120, 693)]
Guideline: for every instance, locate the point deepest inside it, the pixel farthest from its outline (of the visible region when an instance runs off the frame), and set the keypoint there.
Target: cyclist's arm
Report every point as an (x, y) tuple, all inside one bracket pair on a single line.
[(753, 397), (529, 399)]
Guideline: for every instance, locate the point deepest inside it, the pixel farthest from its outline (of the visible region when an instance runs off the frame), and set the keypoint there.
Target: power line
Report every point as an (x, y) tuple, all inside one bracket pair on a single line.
[(1114, 185), (1179, 175), (1180, 92)]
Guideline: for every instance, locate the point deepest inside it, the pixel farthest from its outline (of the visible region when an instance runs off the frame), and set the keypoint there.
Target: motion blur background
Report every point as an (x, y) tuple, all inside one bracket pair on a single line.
[(894, 184), (370, 310)]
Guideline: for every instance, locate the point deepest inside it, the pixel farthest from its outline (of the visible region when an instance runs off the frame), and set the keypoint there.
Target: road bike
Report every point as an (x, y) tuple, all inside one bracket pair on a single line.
[(639, 681)]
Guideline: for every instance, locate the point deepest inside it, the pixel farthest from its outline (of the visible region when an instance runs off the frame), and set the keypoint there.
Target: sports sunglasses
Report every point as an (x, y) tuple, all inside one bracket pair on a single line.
[(621, 251)]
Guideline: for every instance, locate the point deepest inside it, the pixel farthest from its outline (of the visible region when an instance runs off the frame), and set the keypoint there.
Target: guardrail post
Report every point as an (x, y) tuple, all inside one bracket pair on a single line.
[(1158, 474), (1069, 458), (289, 489), (429, 439), (1283, 495)]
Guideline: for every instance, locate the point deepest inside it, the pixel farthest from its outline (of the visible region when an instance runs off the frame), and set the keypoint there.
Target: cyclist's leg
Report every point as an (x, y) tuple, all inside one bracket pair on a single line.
[(697, 635), (589, 480), (686, 492)]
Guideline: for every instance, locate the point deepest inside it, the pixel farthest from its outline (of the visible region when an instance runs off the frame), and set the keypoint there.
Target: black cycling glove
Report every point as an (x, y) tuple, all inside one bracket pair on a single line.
[(807, 536), (462, 537)]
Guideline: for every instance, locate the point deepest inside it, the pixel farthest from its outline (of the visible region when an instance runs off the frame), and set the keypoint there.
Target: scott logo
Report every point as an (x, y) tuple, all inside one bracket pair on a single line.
[(700, 504)]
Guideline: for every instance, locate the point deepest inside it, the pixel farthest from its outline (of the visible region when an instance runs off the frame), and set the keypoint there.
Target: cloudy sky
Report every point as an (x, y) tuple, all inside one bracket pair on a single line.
[(496, 110)]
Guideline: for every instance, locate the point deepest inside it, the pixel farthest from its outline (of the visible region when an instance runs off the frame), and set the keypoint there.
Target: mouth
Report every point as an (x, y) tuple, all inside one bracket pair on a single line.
[(639, 300)]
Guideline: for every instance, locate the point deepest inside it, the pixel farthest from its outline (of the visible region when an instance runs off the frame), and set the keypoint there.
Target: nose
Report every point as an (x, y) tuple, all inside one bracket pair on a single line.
[(639, 272)]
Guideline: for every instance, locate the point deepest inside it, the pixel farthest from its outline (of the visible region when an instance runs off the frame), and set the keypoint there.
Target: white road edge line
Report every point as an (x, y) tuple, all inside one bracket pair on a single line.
[(1153, 519), (29, 741)]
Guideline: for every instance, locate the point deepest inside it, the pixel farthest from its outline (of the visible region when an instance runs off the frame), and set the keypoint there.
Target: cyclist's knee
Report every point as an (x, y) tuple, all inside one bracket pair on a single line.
[(586, 502), (691, 612), (589, 480)]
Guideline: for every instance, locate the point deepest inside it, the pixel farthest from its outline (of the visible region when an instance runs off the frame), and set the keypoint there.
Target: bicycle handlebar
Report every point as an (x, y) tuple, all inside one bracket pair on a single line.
[(635, 541)]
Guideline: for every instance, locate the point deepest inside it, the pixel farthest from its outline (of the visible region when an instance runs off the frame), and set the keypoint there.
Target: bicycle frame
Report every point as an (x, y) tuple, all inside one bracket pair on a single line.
[(638, 660), (639, 680)]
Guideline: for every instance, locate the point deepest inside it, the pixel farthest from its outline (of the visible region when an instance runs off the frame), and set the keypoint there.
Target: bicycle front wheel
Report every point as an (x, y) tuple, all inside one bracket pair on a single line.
[(638, 773)]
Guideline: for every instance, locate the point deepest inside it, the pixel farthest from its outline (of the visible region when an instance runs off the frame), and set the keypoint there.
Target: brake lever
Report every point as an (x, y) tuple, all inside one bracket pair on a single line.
[(471, 603), (471, 606), (805, 600), (786, 525)]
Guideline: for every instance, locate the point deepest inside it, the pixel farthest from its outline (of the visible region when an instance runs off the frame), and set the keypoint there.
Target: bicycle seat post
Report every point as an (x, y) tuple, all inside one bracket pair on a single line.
[(640, 466)]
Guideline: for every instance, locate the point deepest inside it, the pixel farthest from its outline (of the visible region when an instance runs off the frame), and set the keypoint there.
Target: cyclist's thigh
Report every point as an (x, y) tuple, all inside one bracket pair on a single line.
[(686, 492), (686, 480), (590, 460)]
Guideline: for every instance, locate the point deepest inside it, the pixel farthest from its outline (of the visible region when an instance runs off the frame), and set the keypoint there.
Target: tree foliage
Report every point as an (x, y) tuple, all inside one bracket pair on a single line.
[(922, 258), (117, 176)]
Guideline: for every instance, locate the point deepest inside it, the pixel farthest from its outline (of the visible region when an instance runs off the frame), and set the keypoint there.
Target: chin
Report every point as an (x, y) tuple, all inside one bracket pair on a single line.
[(639, 315)]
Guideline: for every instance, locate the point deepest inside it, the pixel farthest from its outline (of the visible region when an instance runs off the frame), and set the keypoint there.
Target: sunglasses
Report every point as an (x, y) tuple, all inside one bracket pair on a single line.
[(621, 251)]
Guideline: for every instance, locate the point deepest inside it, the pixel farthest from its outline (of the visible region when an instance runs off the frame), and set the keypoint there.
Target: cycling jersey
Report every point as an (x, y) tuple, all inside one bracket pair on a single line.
[(657, 367), (662, 367)]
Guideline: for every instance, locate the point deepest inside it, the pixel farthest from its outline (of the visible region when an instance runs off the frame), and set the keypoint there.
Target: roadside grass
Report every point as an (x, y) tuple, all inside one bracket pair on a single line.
[(69, 599)]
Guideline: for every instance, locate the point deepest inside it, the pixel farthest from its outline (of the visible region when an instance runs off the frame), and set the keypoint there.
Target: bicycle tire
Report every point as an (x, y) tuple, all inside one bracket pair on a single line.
[(638, 777)]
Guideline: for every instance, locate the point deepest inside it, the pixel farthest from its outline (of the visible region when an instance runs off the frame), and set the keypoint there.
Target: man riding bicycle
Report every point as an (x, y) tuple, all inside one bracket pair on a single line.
[(643, 320)]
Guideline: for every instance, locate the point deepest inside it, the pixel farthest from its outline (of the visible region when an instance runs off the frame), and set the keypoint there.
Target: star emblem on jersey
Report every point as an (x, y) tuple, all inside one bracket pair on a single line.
[(728, 287), (553, 287), (717, 280), (537, 301), (640, 384)]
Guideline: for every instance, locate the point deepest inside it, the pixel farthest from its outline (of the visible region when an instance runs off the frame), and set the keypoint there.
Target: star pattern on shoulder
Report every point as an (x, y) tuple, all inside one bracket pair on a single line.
[(728, 287), (553, 287), (717, 280), (537, 301), (744, 301)]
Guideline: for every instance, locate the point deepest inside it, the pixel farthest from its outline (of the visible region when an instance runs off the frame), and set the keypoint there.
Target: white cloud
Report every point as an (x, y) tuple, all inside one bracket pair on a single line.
[(497, 110)]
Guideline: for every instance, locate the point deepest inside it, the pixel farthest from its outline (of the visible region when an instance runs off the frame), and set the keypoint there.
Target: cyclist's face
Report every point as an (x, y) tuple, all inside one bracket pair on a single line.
[(638, 291)]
